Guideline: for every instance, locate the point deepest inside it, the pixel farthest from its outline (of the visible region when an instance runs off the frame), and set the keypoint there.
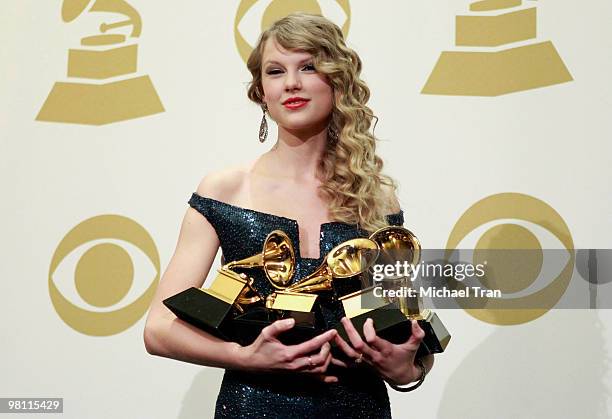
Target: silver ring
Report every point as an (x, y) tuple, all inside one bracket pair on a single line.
[(310, 362), (359, 360)]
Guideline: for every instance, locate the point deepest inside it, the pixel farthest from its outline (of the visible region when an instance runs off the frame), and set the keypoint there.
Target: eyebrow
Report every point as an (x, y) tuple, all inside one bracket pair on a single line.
[(276, 62)]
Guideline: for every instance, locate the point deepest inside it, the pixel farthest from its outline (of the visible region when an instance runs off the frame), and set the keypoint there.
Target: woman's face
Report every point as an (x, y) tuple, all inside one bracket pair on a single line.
[(296, 95)]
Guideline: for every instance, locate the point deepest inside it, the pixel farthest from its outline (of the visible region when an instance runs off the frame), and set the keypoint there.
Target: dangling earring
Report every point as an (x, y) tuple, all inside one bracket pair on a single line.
[(332, 134), (263, 127)]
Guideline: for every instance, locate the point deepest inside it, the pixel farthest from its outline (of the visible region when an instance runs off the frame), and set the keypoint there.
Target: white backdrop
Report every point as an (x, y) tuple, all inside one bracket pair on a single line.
[(446, 151)]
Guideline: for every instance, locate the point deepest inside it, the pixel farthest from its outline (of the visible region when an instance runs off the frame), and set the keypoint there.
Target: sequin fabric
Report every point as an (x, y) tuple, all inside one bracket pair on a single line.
[(360, 393)]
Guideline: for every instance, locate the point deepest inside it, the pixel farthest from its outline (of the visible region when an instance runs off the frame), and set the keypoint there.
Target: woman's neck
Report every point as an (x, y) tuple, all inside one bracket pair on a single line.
[(296, 154)]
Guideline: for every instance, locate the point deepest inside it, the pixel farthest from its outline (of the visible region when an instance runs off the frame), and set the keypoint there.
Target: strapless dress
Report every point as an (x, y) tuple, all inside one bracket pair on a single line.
[(360, 392)]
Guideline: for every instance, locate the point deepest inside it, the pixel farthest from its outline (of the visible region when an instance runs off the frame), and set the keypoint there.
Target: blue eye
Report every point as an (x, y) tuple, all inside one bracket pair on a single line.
[(309, 67), (273, 71)]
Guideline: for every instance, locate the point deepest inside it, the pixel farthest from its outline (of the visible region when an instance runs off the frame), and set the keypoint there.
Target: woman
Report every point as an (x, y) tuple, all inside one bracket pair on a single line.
[(321, 183)]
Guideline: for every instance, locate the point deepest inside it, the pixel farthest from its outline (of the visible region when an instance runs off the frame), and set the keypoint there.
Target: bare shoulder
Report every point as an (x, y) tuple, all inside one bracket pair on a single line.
[(223, 184), (392, 204)]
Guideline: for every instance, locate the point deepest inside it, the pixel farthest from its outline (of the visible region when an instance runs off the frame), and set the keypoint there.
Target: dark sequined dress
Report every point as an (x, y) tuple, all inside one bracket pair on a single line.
[(359, 393)]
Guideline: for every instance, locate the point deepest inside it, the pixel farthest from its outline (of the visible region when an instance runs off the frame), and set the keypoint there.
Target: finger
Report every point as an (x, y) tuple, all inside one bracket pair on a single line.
[(360, 346), (345, 347), (349, 351), (304, 364), (321, 369), (325, 350), (327, 378), (381, 345), (319, 359), (417, 335), (316, 366), (328, 359), (337, 362), (330, 379), (313, 344), (276, 328)]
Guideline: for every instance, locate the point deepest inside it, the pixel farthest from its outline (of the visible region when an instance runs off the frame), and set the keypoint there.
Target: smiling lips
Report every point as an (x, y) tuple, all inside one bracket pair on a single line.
[(295, 102)]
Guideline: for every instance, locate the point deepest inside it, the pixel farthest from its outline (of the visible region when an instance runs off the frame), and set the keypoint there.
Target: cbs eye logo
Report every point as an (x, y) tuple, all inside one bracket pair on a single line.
[(254, 16), (508, 221), (92, 281)]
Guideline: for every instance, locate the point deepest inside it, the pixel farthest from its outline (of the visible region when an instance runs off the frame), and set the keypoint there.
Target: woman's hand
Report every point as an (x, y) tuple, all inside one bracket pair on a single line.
[(395, 363), (268, 354)]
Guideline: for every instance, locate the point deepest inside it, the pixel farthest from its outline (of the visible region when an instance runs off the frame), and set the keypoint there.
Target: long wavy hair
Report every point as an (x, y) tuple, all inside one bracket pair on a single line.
[(349, 170)]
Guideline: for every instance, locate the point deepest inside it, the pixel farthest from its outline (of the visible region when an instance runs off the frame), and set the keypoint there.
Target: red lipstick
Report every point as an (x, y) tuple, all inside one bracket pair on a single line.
[(295, 102)]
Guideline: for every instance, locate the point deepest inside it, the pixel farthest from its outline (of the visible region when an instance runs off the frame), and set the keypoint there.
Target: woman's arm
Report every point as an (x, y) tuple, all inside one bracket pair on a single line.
[(164, 334)]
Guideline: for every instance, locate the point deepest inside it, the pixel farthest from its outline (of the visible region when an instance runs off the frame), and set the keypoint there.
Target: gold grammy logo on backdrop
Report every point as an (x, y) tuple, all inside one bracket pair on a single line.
[(277, 9), (106, 95), (99, 295), (508, 275), (497, 23)]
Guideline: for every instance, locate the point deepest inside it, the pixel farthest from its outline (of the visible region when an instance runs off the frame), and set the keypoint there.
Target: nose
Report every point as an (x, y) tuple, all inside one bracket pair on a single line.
[(292, 81)]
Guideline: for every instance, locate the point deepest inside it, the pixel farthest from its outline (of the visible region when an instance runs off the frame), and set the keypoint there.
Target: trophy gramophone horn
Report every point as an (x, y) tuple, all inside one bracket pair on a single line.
[(71, 9), (349, 258), (397, 243), (400, 244), (277, 259)]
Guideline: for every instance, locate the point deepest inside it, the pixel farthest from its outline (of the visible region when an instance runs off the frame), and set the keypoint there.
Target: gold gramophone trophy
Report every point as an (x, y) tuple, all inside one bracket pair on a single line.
[(299, 300), (212, 309), (392, 317), (102, 86)]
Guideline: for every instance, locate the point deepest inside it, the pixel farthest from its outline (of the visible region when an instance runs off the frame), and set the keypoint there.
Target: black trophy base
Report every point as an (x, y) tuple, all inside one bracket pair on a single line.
[(247, 327), (436, 336), (202, 310), (392, 325)]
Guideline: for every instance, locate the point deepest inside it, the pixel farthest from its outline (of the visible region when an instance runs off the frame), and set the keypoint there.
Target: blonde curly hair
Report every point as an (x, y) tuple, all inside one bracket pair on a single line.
[(350, 170)]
